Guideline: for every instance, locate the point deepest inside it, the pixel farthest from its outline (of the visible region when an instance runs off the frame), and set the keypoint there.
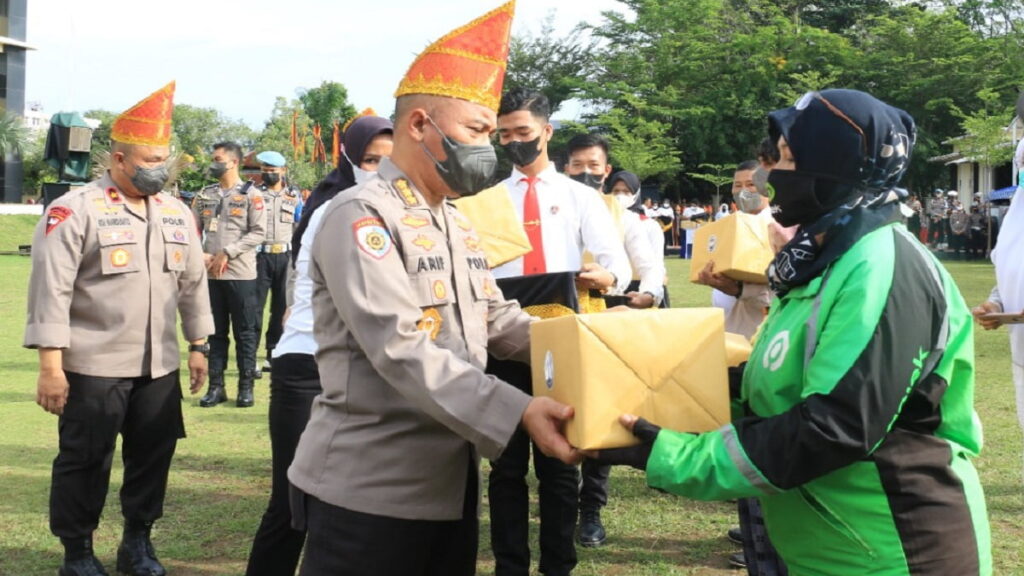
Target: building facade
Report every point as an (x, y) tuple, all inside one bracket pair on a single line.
[(13, 28)]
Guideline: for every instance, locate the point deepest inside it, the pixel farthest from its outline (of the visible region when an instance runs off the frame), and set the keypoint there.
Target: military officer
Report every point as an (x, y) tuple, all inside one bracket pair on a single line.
[(230, 215), (111, 263), (405, 312), (273, 258)]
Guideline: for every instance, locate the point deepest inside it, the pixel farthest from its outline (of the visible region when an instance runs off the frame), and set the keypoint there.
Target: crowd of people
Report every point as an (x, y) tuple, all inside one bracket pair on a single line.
[(397, 363)]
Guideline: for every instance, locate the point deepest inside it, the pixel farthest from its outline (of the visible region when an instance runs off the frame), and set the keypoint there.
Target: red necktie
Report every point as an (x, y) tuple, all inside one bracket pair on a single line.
[(533, 263)]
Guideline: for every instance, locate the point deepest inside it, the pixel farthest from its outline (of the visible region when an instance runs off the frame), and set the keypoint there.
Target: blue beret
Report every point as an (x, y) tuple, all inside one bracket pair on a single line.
[(271, 158)]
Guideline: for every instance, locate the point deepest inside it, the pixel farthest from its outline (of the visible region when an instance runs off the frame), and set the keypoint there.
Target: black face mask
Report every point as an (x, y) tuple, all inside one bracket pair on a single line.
[(589, 180), (522, 153), (271, 178), (467, 169), (793, 193)]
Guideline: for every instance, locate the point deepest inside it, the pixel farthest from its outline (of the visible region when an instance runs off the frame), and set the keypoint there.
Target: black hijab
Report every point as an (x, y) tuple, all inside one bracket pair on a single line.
[(355, 140)]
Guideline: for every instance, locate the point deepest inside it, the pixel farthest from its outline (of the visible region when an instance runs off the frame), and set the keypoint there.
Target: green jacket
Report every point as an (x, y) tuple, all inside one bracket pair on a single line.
[(860, 424)]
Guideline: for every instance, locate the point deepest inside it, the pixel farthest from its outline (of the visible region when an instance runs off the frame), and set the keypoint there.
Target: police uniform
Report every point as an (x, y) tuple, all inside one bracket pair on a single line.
[(406, 311), (273, 261), (232, 221), (106, 281)]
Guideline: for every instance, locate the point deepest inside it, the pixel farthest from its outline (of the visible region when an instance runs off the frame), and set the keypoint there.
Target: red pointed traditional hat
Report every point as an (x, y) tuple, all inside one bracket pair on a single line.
[(467, 63), (147, 123)]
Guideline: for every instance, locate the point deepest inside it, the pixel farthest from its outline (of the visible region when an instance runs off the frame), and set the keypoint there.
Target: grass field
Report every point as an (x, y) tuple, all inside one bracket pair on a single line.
[(220, 479)]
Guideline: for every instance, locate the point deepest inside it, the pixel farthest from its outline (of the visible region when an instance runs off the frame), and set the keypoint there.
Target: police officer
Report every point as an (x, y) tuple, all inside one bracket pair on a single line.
[(230, 216), (111, 262), (405, 312), (273, 257)]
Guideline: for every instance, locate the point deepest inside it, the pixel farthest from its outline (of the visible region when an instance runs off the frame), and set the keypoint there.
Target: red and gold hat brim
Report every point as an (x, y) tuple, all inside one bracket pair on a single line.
[(148, 123), (468, 63)]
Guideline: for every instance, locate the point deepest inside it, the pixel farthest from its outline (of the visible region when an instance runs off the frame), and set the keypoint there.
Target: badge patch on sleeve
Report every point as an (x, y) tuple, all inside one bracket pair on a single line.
[(372, 237), (257, 203), (55, 216)]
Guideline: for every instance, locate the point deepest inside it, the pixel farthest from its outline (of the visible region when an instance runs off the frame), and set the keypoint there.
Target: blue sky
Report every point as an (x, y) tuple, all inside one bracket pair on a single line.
[(238, 55)]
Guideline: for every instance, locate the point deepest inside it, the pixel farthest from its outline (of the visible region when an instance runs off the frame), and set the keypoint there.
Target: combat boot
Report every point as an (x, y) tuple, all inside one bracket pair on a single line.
[(592, 532), (135, 555), (215, 393), (79, 559), (245, 386)]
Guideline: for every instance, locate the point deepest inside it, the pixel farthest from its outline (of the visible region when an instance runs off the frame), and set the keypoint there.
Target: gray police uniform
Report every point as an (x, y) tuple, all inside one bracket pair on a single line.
[(406, 311), (107, 282), (273, 261), (232, 221)]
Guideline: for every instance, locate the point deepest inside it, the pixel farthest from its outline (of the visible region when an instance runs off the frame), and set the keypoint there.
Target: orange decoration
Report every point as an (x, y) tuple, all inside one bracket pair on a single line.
[(148, 123), (467, 63)]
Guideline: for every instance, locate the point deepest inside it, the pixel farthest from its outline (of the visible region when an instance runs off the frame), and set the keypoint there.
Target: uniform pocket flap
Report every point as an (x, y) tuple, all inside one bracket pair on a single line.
[(484, 287), (433, 291)]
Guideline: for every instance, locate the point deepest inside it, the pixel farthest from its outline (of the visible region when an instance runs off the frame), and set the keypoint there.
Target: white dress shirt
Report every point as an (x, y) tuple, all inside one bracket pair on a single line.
[(744, 315), (573, 219), (648, 264), (298, 328)]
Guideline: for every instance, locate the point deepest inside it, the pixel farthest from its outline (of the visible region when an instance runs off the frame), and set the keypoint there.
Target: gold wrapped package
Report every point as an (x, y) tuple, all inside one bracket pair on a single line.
[(668, 366), (738, 244), (496, 222)]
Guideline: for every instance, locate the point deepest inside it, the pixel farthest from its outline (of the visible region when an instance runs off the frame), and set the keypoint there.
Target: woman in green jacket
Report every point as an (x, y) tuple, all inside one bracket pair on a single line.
[(858, 427)]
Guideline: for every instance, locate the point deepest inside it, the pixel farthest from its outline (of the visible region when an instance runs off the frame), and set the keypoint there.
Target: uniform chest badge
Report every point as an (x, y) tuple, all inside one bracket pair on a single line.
[(775, 355), (440, 290), (237, 198), (488, 288), (472, 243), (179, 236), (119, 258), (462, 223), (424, 242), (257, 203), (414, 222), (178, 256), (430, 323), (372, 237), (237, 212)]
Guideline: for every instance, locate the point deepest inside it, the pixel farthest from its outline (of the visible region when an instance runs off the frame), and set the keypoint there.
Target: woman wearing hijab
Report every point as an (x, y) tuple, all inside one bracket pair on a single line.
[(859, 426), (294, 380), (723, 211), (625, 186)]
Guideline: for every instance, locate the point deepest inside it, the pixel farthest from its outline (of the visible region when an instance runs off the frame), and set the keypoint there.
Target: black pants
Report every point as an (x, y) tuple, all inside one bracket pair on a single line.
[(235, 305), (762, 559), (937, 232), (343, 542), (509, 498), (272, 276), (294, 382), (146, 412)]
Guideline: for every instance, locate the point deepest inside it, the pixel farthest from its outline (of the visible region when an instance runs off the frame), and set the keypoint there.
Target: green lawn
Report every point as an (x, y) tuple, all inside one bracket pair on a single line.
[(220, 479)]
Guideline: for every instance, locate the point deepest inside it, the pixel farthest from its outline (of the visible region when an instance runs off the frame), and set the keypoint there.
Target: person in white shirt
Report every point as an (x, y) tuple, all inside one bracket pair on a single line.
[(723, 211), (588, 163), (562, 219), (295, 379)]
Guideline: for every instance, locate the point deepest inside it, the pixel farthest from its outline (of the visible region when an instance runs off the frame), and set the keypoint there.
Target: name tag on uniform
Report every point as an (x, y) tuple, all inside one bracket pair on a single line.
[(213, 226)]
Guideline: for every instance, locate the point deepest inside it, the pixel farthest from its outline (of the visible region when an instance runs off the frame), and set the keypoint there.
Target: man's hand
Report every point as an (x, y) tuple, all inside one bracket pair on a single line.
[(640, 300), (218, 265), (196, 371), (987, 307), (207, 259), (52, 391), (635, 456), (544, 420), (721, 283), (593, 276)]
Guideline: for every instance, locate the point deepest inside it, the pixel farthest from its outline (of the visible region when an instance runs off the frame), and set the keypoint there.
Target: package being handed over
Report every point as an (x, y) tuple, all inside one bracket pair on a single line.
[(668, 366), (739, 245)]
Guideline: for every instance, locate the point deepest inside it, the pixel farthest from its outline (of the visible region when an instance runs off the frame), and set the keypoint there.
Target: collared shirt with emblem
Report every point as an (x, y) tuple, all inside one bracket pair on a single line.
[(232, 221), (405, 313), (280, 207), (107, 280)]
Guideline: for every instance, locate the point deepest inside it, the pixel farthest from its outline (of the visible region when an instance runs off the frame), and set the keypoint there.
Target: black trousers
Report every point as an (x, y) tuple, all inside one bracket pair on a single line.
[(594, 488), (294, 382), (272, 277), (762, 559), (509, 498), (343, 542), (235, 306), (146, 412)]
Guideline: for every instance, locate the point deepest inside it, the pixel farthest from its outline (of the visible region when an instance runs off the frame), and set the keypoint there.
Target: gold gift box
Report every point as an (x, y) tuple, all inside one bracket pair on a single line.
[(738, 244), (496, 222), (668, 366)]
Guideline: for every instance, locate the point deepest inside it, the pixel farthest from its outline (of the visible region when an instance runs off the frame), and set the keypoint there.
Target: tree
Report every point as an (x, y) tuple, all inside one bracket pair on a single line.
[(717, 175), (639, 145), (196, 130), (13, 135), (985, 138), (101, 135), (276, 135), (35, 170), (551, 64), (325, 105)]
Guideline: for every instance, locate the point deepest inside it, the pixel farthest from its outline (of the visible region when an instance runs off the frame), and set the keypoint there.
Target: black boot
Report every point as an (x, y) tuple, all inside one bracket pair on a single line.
[(135, 555), (79, 559), (245, 385), (215, 393), (592, 532)]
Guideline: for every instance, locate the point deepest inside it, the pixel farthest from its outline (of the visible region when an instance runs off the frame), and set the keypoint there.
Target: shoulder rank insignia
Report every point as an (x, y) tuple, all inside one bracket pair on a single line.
[(113, 196), (405, 190)]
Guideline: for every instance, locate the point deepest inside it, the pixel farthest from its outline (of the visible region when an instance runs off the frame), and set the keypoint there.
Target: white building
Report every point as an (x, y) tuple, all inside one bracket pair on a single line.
[(970, 176)]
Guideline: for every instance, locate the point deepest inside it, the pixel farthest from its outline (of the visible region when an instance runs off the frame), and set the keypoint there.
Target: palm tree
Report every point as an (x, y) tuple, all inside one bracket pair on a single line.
[(13, 135)]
